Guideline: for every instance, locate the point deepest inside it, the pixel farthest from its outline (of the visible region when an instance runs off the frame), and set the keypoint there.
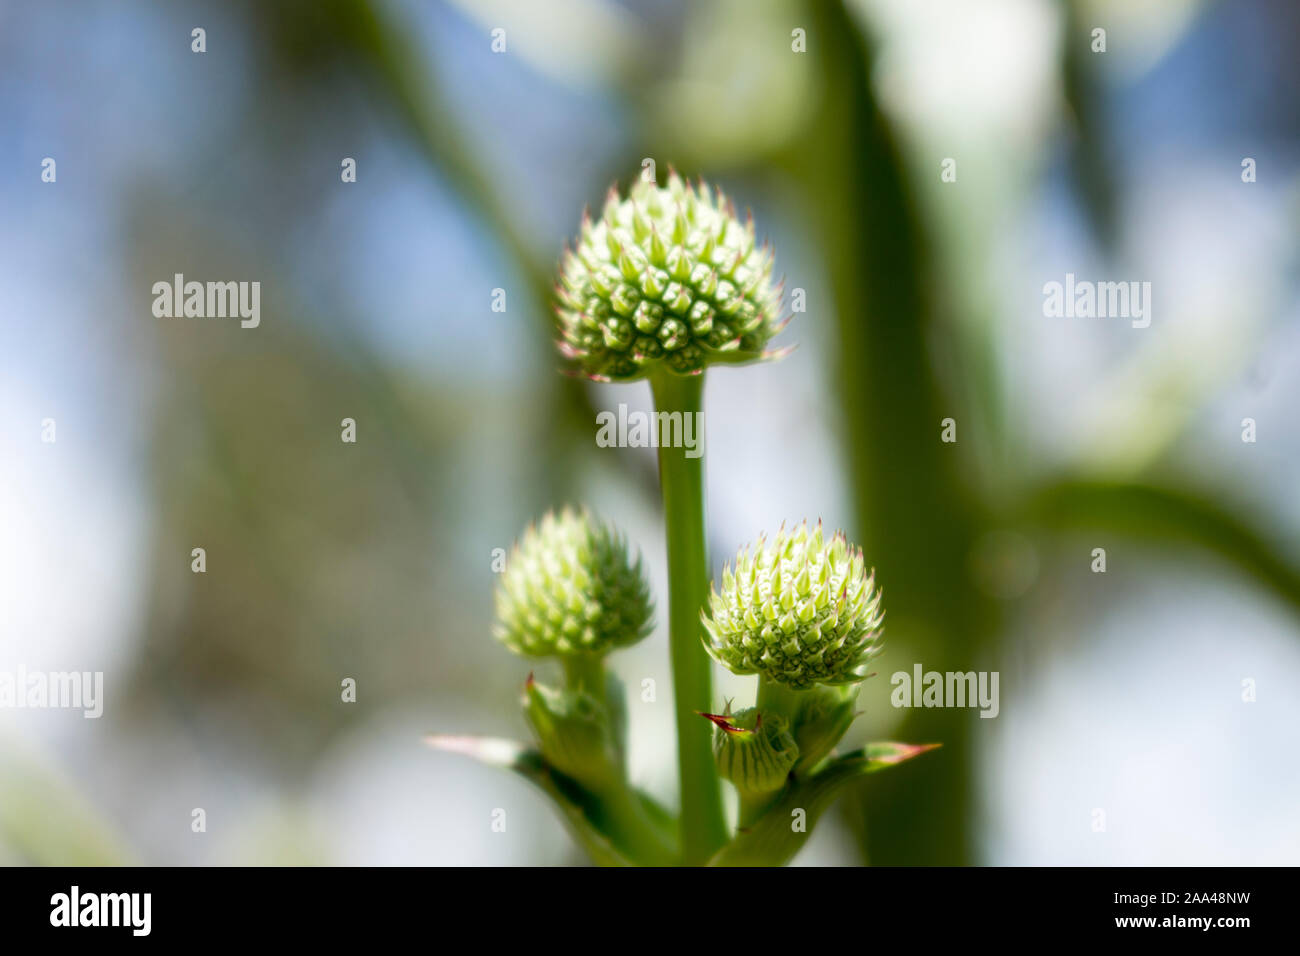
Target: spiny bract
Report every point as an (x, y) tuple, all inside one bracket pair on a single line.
[(798, 610), (570, 588), (754, 751), (667, 277)]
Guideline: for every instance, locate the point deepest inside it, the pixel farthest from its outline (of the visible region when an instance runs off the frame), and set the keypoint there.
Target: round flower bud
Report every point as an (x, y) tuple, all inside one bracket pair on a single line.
[(754, 751), (797, 610), (665, 278), (569, 588)]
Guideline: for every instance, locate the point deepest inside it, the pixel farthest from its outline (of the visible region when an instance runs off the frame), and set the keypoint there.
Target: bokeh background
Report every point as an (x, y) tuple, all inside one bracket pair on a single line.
[(1119, 691)]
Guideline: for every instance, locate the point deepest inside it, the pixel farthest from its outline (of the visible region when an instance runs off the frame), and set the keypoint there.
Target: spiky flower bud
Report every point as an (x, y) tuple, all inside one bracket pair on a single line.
[(569, 588), (754, 751), (798, 610), (667, 277)]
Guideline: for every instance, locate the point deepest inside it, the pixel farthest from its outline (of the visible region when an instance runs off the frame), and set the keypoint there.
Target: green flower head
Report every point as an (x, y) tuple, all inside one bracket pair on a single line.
[(798, 610), (667, 278), (570, 588)]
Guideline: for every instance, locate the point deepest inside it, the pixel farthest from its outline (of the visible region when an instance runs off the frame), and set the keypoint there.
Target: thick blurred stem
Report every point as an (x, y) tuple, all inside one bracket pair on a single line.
[(753, 806), (633, 830), (625, 817), (681, 480), (585, 672)]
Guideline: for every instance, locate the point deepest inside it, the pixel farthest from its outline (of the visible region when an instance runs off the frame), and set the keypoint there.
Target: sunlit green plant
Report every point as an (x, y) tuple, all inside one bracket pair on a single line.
[(667, 282)]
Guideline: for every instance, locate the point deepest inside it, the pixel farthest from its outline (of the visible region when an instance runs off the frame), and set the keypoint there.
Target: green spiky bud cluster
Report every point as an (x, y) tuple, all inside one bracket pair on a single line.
[(754, 751), (570, 588), (798, 610), (667, 277)]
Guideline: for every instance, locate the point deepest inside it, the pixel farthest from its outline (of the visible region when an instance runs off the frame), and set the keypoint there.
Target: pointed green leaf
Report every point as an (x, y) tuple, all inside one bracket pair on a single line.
[(575, 805), (782, 831)]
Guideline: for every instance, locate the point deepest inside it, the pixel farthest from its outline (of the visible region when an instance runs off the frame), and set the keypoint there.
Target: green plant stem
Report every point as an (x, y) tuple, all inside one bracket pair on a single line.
[(753, 807), (627, 823), (632, 829), (681, 481), (772, 698), (776, 697), (585, 672)]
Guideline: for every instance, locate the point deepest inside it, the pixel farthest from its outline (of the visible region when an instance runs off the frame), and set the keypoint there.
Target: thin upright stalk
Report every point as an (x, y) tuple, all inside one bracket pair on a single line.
[(681, 480)]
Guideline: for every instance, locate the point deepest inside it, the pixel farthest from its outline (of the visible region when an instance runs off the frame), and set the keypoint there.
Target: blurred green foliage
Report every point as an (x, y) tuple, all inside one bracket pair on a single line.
[(919, 513)]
